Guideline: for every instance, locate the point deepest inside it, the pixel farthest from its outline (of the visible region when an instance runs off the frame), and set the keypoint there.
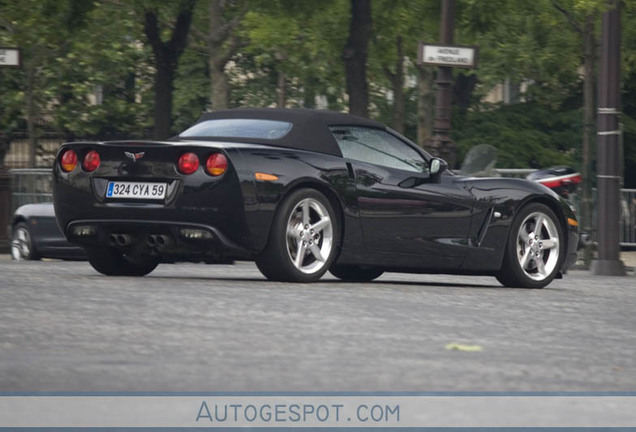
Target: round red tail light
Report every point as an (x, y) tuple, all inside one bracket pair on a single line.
[(188, 163), (216, 164), (68, 161), (91, 161)]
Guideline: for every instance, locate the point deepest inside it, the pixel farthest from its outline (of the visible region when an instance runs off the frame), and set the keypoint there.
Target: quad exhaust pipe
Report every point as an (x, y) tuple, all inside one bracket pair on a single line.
[(158, 240), (153, 240), (120, 239)]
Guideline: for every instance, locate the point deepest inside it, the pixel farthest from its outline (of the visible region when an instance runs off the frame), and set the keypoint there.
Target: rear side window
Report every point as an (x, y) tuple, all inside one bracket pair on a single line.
[(377, 147), (238, 128)]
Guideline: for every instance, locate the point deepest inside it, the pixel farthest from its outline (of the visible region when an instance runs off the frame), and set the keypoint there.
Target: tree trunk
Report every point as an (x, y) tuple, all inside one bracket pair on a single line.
[(399, 116), (220, 98), (309, 93), (589, 59), (221, 42), (31, 115), (281, 90), (355, 57), (164, 85), (166, 56), (424, 103)]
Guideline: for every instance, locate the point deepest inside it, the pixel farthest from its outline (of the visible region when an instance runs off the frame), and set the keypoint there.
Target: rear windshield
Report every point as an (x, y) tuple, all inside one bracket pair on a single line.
[(239, 128)]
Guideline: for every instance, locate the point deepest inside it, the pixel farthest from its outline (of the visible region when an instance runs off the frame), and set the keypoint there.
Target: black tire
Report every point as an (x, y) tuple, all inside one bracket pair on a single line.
[(111, 262), (22, 246), (353, 273), (285, 257), (533, 259)]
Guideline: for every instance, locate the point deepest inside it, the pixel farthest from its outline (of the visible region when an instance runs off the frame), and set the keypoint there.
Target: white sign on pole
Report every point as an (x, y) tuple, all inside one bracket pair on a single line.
[(448, 55), (9, 57)]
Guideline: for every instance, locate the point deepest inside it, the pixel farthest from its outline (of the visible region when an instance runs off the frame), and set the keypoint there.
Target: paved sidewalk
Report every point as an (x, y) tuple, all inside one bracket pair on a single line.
[(192, 327)]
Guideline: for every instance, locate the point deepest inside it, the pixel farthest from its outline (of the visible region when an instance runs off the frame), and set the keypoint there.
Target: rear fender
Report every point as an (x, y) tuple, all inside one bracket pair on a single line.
[(286, 171)]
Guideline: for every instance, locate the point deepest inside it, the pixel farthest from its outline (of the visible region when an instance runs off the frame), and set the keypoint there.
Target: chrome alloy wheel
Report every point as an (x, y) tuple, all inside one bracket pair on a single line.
[(21, 244), (538, 246), (309, 235)]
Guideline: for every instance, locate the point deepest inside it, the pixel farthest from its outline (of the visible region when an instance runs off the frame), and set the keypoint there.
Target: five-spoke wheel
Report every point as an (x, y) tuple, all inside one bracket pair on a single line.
[(534, 250), (303, 238), (309, 235), (538, 246)]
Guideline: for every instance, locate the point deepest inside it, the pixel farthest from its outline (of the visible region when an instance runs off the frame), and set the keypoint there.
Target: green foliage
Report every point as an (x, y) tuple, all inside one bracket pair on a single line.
[(524, 41), (526, 135), (73, 48), (296, 38), (42, 30), (413, 20), (192, 88), (115, 68), (253, 82)]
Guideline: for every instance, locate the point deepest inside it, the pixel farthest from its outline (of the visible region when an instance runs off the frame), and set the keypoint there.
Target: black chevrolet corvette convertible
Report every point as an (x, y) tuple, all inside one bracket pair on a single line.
[(302, 192)]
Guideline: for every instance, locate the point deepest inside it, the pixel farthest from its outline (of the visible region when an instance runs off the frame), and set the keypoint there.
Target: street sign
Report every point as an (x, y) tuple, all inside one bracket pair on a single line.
[(448, 55), (9, 57)]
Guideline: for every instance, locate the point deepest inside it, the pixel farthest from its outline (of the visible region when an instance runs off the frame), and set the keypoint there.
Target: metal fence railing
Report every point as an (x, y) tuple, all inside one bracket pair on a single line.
[(19, 155), (627, 222), (627, 212), (30, 185)]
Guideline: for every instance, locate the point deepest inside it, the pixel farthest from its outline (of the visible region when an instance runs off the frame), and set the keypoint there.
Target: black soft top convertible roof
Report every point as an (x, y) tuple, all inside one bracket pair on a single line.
[(310, 129)]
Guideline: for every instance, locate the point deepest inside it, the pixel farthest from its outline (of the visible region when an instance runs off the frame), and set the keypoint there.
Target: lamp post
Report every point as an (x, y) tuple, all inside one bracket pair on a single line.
[(440, 143), (447, 56), (608, 152)]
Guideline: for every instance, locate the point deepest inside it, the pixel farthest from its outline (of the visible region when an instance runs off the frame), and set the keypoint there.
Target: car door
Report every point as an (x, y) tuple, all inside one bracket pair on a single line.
[(418, 223)]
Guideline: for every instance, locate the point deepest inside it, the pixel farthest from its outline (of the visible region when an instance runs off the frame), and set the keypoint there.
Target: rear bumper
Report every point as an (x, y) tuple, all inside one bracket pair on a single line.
[(173, 241)]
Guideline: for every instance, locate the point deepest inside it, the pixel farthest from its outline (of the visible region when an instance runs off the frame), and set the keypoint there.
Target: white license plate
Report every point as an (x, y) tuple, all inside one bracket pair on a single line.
[(136, 190)]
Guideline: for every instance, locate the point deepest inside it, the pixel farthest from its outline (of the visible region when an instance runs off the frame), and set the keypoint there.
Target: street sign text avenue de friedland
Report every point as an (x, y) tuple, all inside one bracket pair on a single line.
[(9, 57), (448, 55)]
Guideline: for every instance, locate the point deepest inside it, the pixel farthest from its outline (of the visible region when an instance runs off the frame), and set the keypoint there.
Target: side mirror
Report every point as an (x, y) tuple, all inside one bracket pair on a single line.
[(436, 167)]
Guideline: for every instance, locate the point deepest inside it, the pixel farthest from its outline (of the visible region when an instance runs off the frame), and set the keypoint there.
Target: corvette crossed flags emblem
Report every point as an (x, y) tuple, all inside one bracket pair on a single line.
[(134, 156)]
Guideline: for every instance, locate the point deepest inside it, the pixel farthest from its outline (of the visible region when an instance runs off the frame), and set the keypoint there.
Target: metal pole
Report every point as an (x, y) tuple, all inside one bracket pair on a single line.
[(608, 176), (440, 144)]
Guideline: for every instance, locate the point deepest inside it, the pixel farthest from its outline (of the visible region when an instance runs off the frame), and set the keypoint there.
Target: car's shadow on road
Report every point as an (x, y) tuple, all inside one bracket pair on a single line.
[(420, 284), (327, 282)]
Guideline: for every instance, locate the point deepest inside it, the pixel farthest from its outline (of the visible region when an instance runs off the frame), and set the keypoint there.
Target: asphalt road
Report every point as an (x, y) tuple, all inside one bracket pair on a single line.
[(187, 327)]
